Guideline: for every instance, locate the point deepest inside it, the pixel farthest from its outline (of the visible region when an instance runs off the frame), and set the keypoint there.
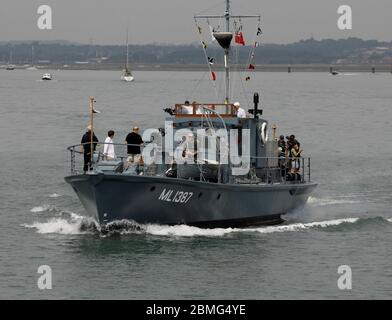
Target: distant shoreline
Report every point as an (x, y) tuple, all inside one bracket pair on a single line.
[(188, 67)]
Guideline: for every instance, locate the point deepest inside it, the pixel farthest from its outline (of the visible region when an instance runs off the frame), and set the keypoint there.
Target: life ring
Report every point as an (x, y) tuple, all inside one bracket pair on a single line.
[(264, 133)]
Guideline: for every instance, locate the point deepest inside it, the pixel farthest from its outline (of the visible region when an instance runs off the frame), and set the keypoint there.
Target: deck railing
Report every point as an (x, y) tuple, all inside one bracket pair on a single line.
[(77, 163), (261, 169)]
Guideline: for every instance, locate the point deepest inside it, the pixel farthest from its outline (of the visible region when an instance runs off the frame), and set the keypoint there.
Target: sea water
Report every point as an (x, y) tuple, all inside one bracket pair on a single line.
[(343, 122)]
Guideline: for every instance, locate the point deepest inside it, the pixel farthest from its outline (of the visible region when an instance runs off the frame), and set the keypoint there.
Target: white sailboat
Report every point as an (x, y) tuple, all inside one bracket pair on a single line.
[(32, 67), (127, 74), (10, 66)]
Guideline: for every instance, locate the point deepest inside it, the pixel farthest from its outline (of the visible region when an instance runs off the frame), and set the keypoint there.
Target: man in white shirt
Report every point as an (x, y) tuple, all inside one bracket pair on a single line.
[(108, 148), (187, 108), (241, 113)]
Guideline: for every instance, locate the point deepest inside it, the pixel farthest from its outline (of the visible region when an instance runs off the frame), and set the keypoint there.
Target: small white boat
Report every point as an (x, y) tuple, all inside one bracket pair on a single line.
[(127, 74), (32, 67), (46, 76), (10, 66)]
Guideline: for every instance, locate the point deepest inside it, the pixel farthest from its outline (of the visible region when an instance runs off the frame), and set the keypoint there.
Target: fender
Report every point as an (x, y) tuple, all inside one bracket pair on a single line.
[(264, 133)]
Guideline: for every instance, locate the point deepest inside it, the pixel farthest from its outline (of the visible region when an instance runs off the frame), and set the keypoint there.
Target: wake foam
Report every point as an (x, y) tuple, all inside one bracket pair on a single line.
[(122, 227), (321, 202), (76, 225), (43, 208), (188, 231), (54, 195)]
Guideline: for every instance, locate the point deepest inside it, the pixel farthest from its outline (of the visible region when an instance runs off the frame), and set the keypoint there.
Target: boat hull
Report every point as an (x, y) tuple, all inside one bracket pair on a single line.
[(46, 77), (162, 200), (127, 78)]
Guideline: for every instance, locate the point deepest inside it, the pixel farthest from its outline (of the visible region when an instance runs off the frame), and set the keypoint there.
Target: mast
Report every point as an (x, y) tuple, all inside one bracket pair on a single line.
[(224, 39), (126, 65), (227, 52), (32, 55), (92, 100)]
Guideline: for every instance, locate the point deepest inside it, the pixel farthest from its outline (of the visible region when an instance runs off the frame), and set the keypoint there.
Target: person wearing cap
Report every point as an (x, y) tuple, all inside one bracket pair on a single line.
[(86, 147), (133, 141), (108, 148), (241, 113)]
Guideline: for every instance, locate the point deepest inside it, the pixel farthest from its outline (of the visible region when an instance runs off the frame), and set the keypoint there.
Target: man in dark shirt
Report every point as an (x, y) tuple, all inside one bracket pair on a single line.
[(134, 140), (86, 148), (282, 146), (282, 155)]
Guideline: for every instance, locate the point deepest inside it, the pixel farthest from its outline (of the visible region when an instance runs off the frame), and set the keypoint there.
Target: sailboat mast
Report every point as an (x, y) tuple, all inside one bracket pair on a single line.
[(227, 52), (126, 65), (32, 55)]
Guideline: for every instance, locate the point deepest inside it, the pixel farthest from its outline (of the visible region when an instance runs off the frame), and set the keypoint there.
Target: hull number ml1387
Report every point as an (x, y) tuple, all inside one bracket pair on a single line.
[(175, 196)]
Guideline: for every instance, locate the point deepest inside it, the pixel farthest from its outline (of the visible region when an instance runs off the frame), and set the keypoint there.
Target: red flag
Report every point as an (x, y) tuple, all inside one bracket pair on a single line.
[(251, 67), (213, 75), (239, 38)]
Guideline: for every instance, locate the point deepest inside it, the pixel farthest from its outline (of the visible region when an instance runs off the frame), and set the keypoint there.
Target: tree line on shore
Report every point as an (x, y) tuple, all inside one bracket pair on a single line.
[(303, 52)]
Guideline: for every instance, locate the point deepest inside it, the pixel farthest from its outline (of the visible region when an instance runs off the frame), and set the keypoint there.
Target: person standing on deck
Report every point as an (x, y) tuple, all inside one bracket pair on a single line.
[(108, 148), (86, 147), (241, 113), (296, 155), (187, 108), (133, 141)]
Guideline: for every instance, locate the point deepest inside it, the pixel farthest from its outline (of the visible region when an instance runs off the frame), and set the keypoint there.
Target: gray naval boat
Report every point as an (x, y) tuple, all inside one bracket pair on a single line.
[(253, 187)]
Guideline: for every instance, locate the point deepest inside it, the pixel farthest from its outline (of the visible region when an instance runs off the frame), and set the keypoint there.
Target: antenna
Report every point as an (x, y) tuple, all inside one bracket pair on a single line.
[(255, 111)]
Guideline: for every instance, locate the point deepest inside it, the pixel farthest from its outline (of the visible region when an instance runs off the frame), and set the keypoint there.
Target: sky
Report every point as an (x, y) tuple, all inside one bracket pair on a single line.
[(171, 21)]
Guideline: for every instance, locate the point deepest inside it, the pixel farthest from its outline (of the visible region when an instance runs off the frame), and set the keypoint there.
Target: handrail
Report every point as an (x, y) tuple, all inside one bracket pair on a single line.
[(103, 143), (273, 169), (73, 150)]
